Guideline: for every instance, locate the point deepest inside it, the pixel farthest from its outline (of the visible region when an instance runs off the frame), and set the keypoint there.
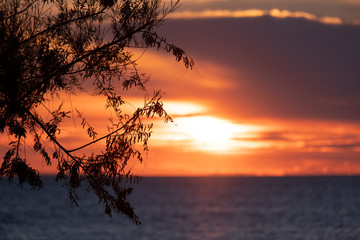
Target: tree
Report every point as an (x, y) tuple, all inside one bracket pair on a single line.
[(53, 46)]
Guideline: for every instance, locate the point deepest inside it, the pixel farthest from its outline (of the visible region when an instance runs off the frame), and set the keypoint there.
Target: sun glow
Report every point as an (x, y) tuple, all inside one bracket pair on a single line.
[(207, 133)]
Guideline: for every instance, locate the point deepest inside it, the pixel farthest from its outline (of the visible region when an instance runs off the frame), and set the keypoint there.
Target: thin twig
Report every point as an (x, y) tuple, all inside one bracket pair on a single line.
[(99, 139)]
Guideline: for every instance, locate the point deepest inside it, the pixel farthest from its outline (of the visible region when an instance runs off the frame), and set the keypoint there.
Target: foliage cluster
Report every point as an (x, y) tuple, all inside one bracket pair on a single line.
[(48, 47)]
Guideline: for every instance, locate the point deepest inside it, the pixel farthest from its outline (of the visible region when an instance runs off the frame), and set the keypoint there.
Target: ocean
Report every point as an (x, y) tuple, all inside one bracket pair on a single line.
[(195, 208)]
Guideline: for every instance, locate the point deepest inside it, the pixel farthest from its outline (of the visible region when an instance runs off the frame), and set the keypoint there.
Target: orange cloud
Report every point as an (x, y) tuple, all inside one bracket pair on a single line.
[(276, 13), (166, 73), (218, 14)]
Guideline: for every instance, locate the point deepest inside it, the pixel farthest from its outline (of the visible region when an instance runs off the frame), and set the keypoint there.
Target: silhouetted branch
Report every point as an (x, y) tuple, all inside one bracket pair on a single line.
[(118, 204), (104, 137), (53, 27), (20, 12)]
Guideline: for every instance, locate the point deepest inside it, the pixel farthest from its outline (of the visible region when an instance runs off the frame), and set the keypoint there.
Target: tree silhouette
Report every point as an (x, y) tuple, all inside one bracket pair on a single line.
[(53, 46)]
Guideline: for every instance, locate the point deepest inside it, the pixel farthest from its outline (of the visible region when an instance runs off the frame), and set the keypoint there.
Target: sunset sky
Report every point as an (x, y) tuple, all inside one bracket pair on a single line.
[(275, 90)]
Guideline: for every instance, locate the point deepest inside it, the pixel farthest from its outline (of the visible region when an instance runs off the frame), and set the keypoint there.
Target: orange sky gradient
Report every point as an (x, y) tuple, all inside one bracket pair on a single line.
[(275, 91)]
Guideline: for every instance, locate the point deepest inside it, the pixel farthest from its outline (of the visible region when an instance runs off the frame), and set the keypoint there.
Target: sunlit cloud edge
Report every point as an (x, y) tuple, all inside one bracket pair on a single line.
[(276, 13)]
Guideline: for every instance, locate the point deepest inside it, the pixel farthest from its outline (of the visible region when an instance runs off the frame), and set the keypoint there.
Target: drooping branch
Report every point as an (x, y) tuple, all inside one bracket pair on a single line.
[(50, 135), (20, 12), (119, 204), (103, 137), (55, 26)]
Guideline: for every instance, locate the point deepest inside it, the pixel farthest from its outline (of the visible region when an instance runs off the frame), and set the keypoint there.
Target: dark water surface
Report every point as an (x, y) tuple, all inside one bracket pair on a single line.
[(225, 208)]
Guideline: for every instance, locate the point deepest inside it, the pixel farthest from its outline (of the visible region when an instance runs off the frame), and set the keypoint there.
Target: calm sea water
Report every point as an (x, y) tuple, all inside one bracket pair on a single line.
[(193, 208)]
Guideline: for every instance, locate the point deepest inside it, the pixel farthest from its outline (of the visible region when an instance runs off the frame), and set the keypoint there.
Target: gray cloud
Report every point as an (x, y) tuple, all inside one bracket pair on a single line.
[(287, 68)]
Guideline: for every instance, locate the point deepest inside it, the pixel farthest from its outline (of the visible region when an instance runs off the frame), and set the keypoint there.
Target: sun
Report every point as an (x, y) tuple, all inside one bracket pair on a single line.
[(207, 133)]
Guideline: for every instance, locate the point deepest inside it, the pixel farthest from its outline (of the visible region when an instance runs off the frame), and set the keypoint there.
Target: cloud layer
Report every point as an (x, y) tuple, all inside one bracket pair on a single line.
[(276, 13), (348, 10)]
